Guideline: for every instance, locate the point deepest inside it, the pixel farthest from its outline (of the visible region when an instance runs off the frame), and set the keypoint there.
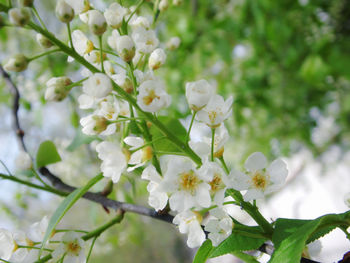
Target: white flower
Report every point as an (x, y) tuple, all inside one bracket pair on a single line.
[(7, 244), (81, 43), (163, 5), (156, 59), (112, 39), (140, 21), (259, 179), (218, 183), (98, 85), (190, 223), (177, 2), (36, 231), (43, 41), (97, 22), (216, 111), (157, 198), (64, 12), (313, 249), (187, 186), (97, 125), (198, 94), (114, 15), (219, 226), (123, 81), (173, 43), (221, 137), (71, 247), (125, 48), (79, 6), (17, 63), (23, 161), (20, 254), (109, 108), (141, 156), (143, 76), (113, 159), (57, 88), (145, 40), (19, 16), (152, 96)]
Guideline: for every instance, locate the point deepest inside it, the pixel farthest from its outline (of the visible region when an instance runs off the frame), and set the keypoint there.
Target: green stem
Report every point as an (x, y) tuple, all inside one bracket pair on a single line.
[(41, 180), (3, 260), (212, 144), (77, 83), (224, 164), (38, 17), (101, 53), (155, 12), (91, 247), (30, 247), (69, 230), (70, 36), (148, 143), (17, 180), (189, 129), (43, 54)]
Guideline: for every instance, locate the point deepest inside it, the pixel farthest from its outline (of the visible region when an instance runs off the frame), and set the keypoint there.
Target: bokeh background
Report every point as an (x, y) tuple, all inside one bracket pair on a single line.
[(287, 65)]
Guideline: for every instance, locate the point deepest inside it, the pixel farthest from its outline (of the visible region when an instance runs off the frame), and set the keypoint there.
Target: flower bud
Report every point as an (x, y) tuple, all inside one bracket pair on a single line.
[(19, 16), (173, 43), (163, 5), (177, 2), (97, 22), (43, 41), (156, 59), (125, 48), (23, 161), (17, 63), (124, 82), (64, 12), (94, 124), (198, 94), (57, 88), (27, 3)]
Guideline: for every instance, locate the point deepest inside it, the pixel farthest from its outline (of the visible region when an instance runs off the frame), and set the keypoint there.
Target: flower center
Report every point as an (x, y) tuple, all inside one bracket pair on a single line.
[(73, 247), (147, 100), (189, 181), (147, 153), (216, 184), (260, 180)]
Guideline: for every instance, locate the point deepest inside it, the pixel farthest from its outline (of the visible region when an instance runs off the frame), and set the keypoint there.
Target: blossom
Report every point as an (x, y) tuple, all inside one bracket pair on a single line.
[(219, 226), (72, 248), (81, 43), (123, 81), (186, 185), (114, 15), (189, 222), (96, 22), (156, 59), (163, 5), (43, 41), (140, 21), (57, 88), (216, 111), (79, 6), (17, 63), (19, 16), (198, 94), (152, 96), (259, 179), (23, 161), (125, 47), (157, 197), (141, 156), (7, 244), (64, 12), (113, 159), (109, 108), (20, 254), (173, 43), (37, 230), (145, 40), (94, 124), (221, 137)]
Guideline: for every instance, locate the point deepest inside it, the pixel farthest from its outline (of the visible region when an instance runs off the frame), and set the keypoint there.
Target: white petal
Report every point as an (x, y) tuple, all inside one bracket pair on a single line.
[(238, 180), (278, 171), (253, 194), (256, 161), (203, 195)]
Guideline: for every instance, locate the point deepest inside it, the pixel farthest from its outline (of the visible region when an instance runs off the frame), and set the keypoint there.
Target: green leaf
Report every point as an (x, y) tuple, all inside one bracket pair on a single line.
[(203, 252), (65, 205), (47, 154), (173, 125), (289, 250), (80, 139), (237, 241)]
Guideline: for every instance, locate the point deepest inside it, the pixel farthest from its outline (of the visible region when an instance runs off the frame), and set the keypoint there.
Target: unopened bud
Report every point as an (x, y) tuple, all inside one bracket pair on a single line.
[(156, 59), (17, 63), (125, 48), (173, 43), (64, 12), (27, 3), (177, 2), (124, 82), (43, 41), (19, 16), (97, 22), (163, 5), (57, 88)]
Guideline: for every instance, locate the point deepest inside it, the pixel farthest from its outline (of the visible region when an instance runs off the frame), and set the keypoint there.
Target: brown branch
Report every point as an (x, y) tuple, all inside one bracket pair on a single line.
[(15, 106)]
